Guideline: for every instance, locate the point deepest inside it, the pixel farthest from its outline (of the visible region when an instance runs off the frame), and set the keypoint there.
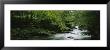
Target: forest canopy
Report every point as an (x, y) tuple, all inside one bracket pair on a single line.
[(26, 24)]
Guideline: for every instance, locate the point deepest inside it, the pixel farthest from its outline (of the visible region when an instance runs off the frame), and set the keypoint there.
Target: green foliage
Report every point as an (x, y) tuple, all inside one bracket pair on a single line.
[(27, 24)]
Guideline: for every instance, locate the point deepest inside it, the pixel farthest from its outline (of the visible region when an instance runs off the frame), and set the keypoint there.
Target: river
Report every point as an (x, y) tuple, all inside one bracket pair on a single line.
[(75, 34)]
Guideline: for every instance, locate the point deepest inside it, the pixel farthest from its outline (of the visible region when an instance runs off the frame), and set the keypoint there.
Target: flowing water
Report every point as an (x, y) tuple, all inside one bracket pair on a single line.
[(75, 34)]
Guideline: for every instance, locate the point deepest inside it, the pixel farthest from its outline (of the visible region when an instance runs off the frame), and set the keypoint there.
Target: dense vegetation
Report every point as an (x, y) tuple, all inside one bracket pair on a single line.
[(42, 23)]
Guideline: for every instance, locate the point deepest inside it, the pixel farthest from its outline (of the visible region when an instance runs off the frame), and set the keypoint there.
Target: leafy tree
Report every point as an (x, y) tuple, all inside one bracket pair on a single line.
[(30, 23)]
